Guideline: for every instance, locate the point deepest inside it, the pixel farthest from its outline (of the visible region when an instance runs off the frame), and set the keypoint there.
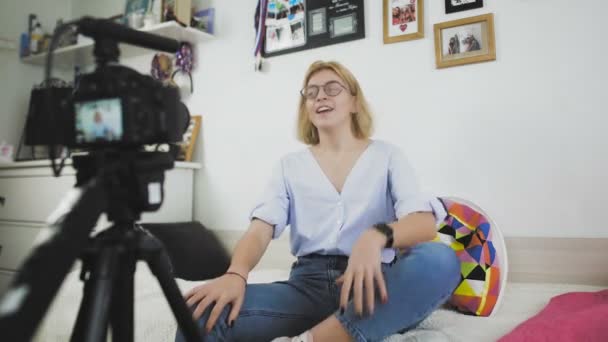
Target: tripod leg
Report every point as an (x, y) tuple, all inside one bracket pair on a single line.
[(155, 255), (122, 301), (92, 321)]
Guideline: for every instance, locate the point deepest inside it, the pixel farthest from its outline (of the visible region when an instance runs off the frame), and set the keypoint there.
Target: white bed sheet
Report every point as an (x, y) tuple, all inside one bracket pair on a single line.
[(154, 320)]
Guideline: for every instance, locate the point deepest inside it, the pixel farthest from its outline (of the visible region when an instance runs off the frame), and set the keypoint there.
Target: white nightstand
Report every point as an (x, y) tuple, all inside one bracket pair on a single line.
[(29, 193)]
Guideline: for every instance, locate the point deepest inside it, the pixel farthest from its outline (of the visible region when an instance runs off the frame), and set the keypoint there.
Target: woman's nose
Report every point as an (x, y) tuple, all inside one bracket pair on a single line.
[(321, 94)]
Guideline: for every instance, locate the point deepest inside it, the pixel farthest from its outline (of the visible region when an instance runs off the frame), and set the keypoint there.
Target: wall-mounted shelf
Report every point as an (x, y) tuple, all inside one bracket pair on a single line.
[(82, 53)]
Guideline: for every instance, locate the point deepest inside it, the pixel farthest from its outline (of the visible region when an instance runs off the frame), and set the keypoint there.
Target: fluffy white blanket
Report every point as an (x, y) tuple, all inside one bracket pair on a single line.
[(154, 320)]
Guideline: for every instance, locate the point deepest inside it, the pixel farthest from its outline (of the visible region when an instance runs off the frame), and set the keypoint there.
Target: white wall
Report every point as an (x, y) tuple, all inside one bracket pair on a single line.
[(521, 136), (16, 78)]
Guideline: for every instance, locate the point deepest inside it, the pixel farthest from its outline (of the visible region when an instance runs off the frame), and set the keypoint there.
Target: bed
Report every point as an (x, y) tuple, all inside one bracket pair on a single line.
[(154, 320)]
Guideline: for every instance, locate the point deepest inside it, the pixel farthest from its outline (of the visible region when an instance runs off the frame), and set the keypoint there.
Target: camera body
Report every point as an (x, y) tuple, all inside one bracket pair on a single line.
[(114, 106)]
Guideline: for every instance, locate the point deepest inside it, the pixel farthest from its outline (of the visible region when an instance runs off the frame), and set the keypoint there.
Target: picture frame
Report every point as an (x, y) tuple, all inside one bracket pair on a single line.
[(190, 137), (176, 10), (136, 6), (135, 10), (285, 26), (204, 20), (465, 41), (403, 20), (167, 9), (452, 6)]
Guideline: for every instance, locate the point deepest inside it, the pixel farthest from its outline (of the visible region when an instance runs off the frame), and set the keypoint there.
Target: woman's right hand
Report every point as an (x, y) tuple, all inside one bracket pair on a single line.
[(227, 289)]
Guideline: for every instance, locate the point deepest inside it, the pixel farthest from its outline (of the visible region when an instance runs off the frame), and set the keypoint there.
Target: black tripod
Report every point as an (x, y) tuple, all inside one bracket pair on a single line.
[(108, 267), (118, 183)]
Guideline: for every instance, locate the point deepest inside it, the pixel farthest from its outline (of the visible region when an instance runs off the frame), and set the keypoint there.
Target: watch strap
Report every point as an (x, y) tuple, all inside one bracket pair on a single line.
[(387, 231)]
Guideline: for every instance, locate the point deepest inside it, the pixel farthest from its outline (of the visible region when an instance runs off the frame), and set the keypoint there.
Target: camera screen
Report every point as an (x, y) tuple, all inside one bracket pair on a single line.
[(99, 121)]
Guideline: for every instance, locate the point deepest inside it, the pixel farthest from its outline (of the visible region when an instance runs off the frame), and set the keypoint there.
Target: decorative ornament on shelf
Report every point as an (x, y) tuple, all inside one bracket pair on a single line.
[(184, 63), (162, 67)]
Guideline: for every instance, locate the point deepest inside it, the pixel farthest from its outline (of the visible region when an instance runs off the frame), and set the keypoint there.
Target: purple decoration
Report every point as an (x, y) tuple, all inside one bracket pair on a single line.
[(184, 58)]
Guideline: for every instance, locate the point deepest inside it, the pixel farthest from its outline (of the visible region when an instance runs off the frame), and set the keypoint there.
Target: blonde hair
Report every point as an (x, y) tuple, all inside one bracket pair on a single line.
[(361, 122)]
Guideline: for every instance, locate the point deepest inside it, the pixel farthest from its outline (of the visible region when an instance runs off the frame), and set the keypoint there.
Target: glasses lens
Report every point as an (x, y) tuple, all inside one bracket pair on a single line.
[(310, 92), (332, 88)]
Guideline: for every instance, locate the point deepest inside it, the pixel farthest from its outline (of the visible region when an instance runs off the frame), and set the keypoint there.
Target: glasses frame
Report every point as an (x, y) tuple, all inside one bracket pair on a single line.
[(324, 86)]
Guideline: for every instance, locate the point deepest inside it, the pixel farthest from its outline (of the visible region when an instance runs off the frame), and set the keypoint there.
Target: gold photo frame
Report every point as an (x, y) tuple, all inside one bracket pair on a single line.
[(402, 20), (190, 137), (465, 41)]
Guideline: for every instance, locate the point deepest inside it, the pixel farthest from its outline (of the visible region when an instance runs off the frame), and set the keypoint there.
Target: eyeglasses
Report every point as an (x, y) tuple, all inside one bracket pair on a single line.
[(331, 88)]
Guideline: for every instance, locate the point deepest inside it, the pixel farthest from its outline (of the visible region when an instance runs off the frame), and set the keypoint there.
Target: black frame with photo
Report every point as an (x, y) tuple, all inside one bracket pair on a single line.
[(330, 32), (449, 8)]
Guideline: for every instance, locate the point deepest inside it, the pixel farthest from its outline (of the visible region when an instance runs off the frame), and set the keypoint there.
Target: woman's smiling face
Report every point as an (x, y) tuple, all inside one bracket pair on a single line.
[(328, 111)]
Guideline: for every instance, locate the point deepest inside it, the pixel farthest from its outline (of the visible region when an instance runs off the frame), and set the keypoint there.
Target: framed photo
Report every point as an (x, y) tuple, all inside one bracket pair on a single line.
[(465, 41), (167, 10), (403, 20), (204, 20), (285, 23), (136, 6), (135, 10), (452, 6), (177, 10), (187, 146)]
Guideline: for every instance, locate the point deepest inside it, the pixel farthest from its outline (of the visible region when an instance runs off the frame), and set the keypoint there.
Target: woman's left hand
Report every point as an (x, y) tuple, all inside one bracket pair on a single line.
[(363, 271)]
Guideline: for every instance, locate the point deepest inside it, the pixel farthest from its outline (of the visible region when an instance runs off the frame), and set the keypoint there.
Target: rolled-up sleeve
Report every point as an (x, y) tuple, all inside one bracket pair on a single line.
[(405, 191), (273, 207)]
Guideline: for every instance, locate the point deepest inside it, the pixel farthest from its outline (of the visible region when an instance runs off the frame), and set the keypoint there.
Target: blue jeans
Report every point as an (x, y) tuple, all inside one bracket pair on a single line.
[(418, 282)]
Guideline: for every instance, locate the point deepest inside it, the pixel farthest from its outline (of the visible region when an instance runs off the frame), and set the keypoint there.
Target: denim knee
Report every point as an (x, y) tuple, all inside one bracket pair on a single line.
[(436, 262), (218, 333)]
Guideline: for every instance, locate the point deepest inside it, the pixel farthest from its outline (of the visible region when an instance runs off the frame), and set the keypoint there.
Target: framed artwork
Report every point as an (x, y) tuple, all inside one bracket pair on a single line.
[(187, 146), (135, 10), (452, 6), (288, 26), (136, 6), (204, 20), (177, 10), (465, 41), (403, 20), (285, 22), (167, 10)]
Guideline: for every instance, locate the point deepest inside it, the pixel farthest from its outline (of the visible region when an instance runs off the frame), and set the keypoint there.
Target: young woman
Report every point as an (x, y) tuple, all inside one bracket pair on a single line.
[(351, 203)]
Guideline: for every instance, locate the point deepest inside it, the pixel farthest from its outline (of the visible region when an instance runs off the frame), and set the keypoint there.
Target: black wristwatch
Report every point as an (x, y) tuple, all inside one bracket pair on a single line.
[(387, 231)]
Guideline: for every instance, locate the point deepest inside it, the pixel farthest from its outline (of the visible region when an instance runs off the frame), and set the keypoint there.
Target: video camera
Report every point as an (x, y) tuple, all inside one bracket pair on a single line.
[(112, 107)]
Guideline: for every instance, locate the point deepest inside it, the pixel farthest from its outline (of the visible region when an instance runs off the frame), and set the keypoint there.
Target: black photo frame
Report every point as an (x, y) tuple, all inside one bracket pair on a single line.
[(322, 23), (462, 5)]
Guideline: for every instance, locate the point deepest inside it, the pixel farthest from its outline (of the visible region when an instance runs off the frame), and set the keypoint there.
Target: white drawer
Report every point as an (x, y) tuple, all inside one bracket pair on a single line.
[(17, 242), (31, 198)]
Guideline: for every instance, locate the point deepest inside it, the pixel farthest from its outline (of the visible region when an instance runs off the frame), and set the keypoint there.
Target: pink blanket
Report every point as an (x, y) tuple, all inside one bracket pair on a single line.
[(575, 316)]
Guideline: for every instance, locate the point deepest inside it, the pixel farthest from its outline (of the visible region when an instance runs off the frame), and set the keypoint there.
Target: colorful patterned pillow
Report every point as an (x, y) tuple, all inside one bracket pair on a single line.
[(479, 245)]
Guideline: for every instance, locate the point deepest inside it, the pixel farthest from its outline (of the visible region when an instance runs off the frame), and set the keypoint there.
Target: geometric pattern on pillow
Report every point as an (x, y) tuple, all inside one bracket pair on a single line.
[(470, 234)]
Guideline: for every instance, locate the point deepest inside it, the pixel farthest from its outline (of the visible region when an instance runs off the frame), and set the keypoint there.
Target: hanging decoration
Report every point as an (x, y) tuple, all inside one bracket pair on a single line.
[(260, 29), (184, 63), (162, 67)]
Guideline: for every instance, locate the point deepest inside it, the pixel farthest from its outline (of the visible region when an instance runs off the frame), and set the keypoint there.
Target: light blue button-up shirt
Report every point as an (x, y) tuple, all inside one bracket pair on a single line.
[(381, 187)]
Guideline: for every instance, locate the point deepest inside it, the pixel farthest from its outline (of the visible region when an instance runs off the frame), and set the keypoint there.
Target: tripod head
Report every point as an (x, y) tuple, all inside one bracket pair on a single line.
[(133, 180)]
